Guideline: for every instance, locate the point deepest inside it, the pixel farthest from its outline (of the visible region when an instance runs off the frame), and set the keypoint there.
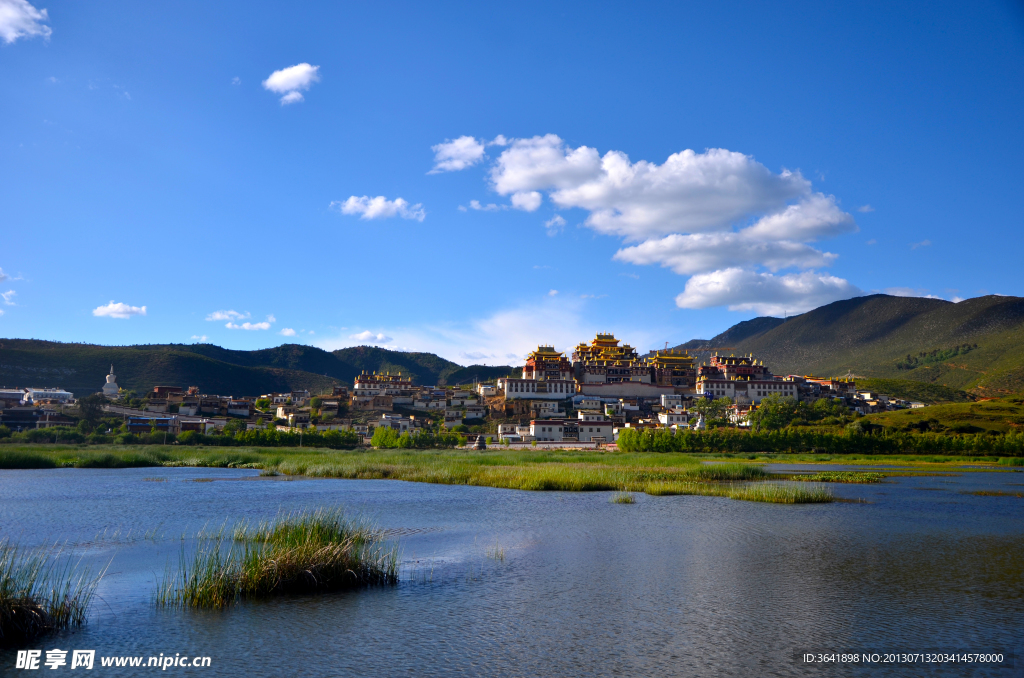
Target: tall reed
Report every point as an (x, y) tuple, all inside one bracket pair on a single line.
[(40, 592), (302, 552)]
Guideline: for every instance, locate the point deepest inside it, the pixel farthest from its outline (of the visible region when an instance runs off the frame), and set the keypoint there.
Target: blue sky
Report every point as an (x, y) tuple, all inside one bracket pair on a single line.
[(252, 174)]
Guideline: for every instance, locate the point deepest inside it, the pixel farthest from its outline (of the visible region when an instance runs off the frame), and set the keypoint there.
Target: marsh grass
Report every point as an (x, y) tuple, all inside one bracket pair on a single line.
[(720, 472), (297, 553), (1012, 461), (623, 498), (839, 477), (496, 553), (570, 470), (774, 493), (40, 592)]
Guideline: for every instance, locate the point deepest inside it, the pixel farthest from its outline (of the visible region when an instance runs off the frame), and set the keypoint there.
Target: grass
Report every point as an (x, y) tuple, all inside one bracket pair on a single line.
[(40, 592), (1001, 415), (528, 469), (839, 477), (497, 553), (774, 493), (303, 552), (623, 498), (537, 470), (1012, 461)]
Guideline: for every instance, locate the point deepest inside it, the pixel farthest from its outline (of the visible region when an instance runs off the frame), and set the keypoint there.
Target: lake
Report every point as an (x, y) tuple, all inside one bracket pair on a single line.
[(669, 586)]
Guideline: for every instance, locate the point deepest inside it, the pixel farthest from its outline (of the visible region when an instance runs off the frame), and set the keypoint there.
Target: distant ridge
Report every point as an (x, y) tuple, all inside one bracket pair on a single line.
[(80, 368), (870, 336)]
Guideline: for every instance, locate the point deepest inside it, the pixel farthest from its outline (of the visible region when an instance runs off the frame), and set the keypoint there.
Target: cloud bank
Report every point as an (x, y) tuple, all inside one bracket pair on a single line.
[(719, 216)]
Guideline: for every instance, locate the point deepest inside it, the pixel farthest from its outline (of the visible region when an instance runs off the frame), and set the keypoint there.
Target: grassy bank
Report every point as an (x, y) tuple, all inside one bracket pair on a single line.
[(40, 592), (540, 470), (304, 552)]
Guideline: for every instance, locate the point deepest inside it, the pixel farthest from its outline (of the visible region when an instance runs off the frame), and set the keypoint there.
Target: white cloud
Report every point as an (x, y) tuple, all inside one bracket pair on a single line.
[(714, 213), (236, 80), (490, 207), (228, 315), (528, 201), (702, 252), (118, 310), (816, 217), (291, 81), (554, 224), (872, 242), (249, 326), (865, 208), (3, 276), (233, 316), (689, 192), (369, 337), (457, 154), (511, 333), (923, 243), (764, 293), (19, 19), (7, 296), (552, 293), (380, 208), (499, 140), (200, 338), (287, 332)]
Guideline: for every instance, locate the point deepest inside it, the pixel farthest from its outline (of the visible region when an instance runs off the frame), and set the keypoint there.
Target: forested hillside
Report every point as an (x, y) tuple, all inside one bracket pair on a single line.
[(975, 345), (81, 368)]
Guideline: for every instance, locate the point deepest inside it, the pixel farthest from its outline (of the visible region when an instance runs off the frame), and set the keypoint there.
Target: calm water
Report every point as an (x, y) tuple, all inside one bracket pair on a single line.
[(670, 586)]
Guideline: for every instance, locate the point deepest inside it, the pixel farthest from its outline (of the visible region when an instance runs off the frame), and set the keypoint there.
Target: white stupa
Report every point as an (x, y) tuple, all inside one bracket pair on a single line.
[(110, 388)]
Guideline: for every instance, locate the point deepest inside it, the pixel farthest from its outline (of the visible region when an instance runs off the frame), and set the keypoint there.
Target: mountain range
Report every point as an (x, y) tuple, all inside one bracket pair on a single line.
[(81, 368), (975, 345)]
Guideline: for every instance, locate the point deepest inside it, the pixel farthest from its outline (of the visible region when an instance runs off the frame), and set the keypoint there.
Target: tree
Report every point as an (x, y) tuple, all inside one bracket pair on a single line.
[(711, 409), (773, 412), (90, 408)]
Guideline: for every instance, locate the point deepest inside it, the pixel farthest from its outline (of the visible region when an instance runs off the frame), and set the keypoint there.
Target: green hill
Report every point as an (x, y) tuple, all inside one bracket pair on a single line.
[(81, 368), (975, 345)]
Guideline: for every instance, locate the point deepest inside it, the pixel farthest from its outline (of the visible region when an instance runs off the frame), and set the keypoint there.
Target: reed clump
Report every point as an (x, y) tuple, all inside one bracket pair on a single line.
[(774, 493), (839, 477), (40, 592), (299, 553), (723, 472), (623, 498)]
